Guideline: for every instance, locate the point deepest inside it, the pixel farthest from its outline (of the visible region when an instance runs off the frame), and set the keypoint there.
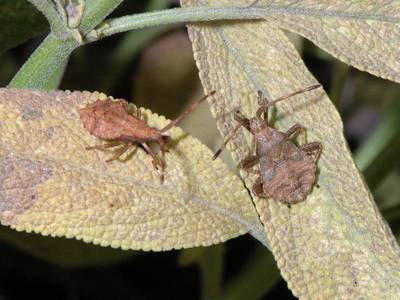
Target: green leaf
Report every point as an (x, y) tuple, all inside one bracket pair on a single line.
[(336, 243), (19, 21), (256, 278), (210, 261), (51, 185), (380, 153)]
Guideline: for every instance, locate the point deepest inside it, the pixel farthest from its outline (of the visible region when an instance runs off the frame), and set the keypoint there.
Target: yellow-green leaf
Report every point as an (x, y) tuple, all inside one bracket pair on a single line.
[(335, 244), (361, 33), (51, 185)]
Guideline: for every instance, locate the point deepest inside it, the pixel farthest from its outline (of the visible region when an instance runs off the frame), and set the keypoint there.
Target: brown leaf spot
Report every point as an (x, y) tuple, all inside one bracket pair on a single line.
[(18, 185), (50, 132), (31, 114)]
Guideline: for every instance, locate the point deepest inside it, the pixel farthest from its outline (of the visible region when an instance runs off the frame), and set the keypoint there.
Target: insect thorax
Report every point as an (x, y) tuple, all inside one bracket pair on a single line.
[(268, 141)]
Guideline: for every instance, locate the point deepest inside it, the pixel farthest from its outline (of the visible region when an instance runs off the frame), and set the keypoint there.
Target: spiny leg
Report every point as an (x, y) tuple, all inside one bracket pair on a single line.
[(119, 152), (164, 147), (294, 129), (314, 147), (238, 117), (165, 143), (258, 189), (156, 161), (102, 147), (297, 128), (249, 162), (263, 106)]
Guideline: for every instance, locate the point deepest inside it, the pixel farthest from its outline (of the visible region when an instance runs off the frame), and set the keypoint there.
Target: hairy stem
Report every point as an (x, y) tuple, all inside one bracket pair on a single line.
[(178, 15), (42, 64), (54, 51), (48, 10)]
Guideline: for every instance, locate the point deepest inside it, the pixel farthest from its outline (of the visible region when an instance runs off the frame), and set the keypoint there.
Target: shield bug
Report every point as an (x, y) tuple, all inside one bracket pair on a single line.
[(286, 171), (110, 120)]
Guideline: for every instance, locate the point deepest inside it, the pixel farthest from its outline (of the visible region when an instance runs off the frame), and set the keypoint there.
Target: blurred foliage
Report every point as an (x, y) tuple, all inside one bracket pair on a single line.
[(155, 68), (66, 253), (19, 21), (168, 64), (210, 263)]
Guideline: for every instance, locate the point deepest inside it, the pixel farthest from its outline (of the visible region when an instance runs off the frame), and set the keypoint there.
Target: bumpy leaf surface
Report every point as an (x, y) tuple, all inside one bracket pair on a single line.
[(364, 34), (335, 244), (51, 185)]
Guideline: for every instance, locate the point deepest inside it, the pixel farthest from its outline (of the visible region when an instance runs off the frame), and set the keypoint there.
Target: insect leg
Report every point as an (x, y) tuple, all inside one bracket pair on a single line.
[(294, 129), (242, 120), (164, 147), (248, 163), (156, 161), (263, 106), (119, 152), (102, 147), (297, 128), (258, 189), (187, 111), (314, 147)]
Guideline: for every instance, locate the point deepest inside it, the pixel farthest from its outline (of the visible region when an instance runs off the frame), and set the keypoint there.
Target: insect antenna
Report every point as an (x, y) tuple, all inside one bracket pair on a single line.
[(187, 111), (267, 104), (230, 136), (310, 88)]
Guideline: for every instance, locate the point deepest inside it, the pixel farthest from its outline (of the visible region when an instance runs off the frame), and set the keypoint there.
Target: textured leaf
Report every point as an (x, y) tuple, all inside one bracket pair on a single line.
[(356, 32), (335, 244), (19, 21), (51, 185)]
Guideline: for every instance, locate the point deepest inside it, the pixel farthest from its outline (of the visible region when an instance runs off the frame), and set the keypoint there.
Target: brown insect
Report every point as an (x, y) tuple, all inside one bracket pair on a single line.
[(109, 120), (286, 171)]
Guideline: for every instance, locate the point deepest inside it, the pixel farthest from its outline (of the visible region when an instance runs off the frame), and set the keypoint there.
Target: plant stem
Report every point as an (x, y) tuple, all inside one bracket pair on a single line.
[(179, 15), (54, 51), (55, 80), (48, 10), (95, 12), (42, 64)]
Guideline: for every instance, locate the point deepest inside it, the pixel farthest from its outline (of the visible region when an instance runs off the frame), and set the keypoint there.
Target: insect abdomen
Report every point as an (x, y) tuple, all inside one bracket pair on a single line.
[(292, 181)]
